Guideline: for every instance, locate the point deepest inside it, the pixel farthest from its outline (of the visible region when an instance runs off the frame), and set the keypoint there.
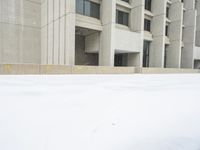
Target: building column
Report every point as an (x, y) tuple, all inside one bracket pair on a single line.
[(44, 31), (198, 24), (190, 33), (158, 31), (175, 35), (137, 13), (107, 36), (70, 32), (58, 32)]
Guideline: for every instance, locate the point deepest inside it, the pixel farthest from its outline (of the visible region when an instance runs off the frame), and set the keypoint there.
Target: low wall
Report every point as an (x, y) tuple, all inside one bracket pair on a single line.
[(20, 69), (167, 71)]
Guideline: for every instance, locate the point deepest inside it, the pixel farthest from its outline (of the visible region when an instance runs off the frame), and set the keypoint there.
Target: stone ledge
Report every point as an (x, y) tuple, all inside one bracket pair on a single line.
[(14, 69), (55, 69), (83, 70), (167, 71), (32, 69)]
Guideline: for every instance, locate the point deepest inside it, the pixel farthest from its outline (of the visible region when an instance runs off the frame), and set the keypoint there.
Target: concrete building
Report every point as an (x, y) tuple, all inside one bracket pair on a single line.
[(197, 47), (20, 31), (149, 33)]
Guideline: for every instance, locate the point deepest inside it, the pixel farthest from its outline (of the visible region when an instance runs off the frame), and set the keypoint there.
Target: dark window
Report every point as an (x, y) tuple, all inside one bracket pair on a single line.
[(126, 1), (147, 25), (167, 12), (146, 54), (121, 60), (196, 4), (88, 8), (95, 10), (165, 57), (148, 5), (122, 17), (166, 30)]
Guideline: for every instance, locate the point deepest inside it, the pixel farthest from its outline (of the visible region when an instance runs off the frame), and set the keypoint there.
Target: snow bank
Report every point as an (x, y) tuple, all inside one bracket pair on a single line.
[(97, 112)]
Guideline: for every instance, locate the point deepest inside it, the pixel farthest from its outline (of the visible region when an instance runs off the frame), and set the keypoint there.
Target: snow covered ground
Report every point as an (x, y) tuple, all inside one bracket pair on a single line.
[(100, 112)]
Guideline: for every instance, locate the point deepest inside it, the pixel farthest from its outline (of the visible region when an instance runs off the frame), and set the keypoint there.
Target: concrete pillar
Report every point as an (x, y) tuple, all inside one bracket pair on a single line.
[(198, 24), (1, 43), (44, 31), (70, 32), (50, 31), (107, 36), (58, 32), (189, 34), (137, 13), (175, 35), (158, 32)]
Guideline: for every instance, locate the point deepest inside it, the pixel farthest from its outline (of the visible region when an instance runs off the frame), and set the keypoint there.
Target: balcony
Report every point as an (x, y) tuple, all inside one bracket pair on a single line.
[(127, 41), (197, 53)]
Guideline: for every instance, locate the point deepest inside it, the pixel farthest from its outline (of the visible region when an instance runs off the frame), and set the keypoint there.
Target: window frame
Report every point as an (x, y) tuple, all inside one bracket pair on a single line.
[(148, 5), (147, 25), (146, 53), (124, 20), (88, 12)]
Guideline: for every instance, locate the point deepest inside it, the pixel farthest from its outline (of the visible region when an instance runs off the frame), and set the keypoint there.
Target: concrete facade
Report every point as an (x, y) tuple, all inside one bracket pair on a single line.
[(54, 32), (197, 47), (20, 25)]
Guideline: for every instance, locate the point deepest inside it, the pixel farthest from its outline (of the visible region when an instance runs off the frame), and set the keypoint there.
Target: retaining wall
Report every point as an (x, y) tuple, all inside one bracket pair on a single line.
[(20, 69)]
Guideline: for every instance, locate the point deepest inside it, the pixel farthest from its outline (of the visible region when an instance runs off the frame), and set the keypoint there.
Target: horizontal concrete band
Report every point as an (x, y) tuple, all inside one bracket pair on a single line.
[(29, 69)]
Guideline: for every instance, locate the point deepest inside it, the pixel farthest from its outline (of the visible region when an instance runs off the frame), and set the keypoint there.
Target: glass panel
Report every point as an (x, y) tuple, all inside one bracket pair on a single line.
[(146, 54), (147, 25), (125, 19), (126, 1), (117, 16), (79, 6), (148, 5), (122, 18), (95, 10), (87, 8)]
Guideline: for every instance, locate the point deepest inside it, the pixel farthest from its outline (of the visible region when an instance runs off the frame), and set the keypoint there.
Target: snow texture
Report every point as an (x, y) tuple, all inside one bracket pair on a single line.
[(100, 112)]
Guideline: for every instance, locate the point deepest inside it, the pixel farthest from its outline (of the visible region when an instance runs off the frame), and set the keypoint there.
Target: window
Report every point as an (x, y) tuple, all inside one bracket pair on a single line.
[(166, 30), (196, 4), (95, 10), (148, 5), (88, 8), (122, 18), (165, 57), (167, 12), (147, 25), (126, 1), (121, 60), (80, 6), (146, 54)]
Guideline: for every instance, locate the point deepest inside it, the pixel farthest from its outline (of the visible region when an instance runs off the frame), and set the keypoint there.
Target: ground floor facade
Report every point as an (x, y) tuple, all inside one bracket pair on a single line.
[(139, 33)]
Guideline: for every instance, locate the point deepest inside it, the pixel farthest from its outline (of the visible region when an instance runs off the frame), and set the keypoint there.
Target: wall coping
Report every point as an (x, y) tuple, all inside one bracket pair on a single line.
[(31, 69)]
